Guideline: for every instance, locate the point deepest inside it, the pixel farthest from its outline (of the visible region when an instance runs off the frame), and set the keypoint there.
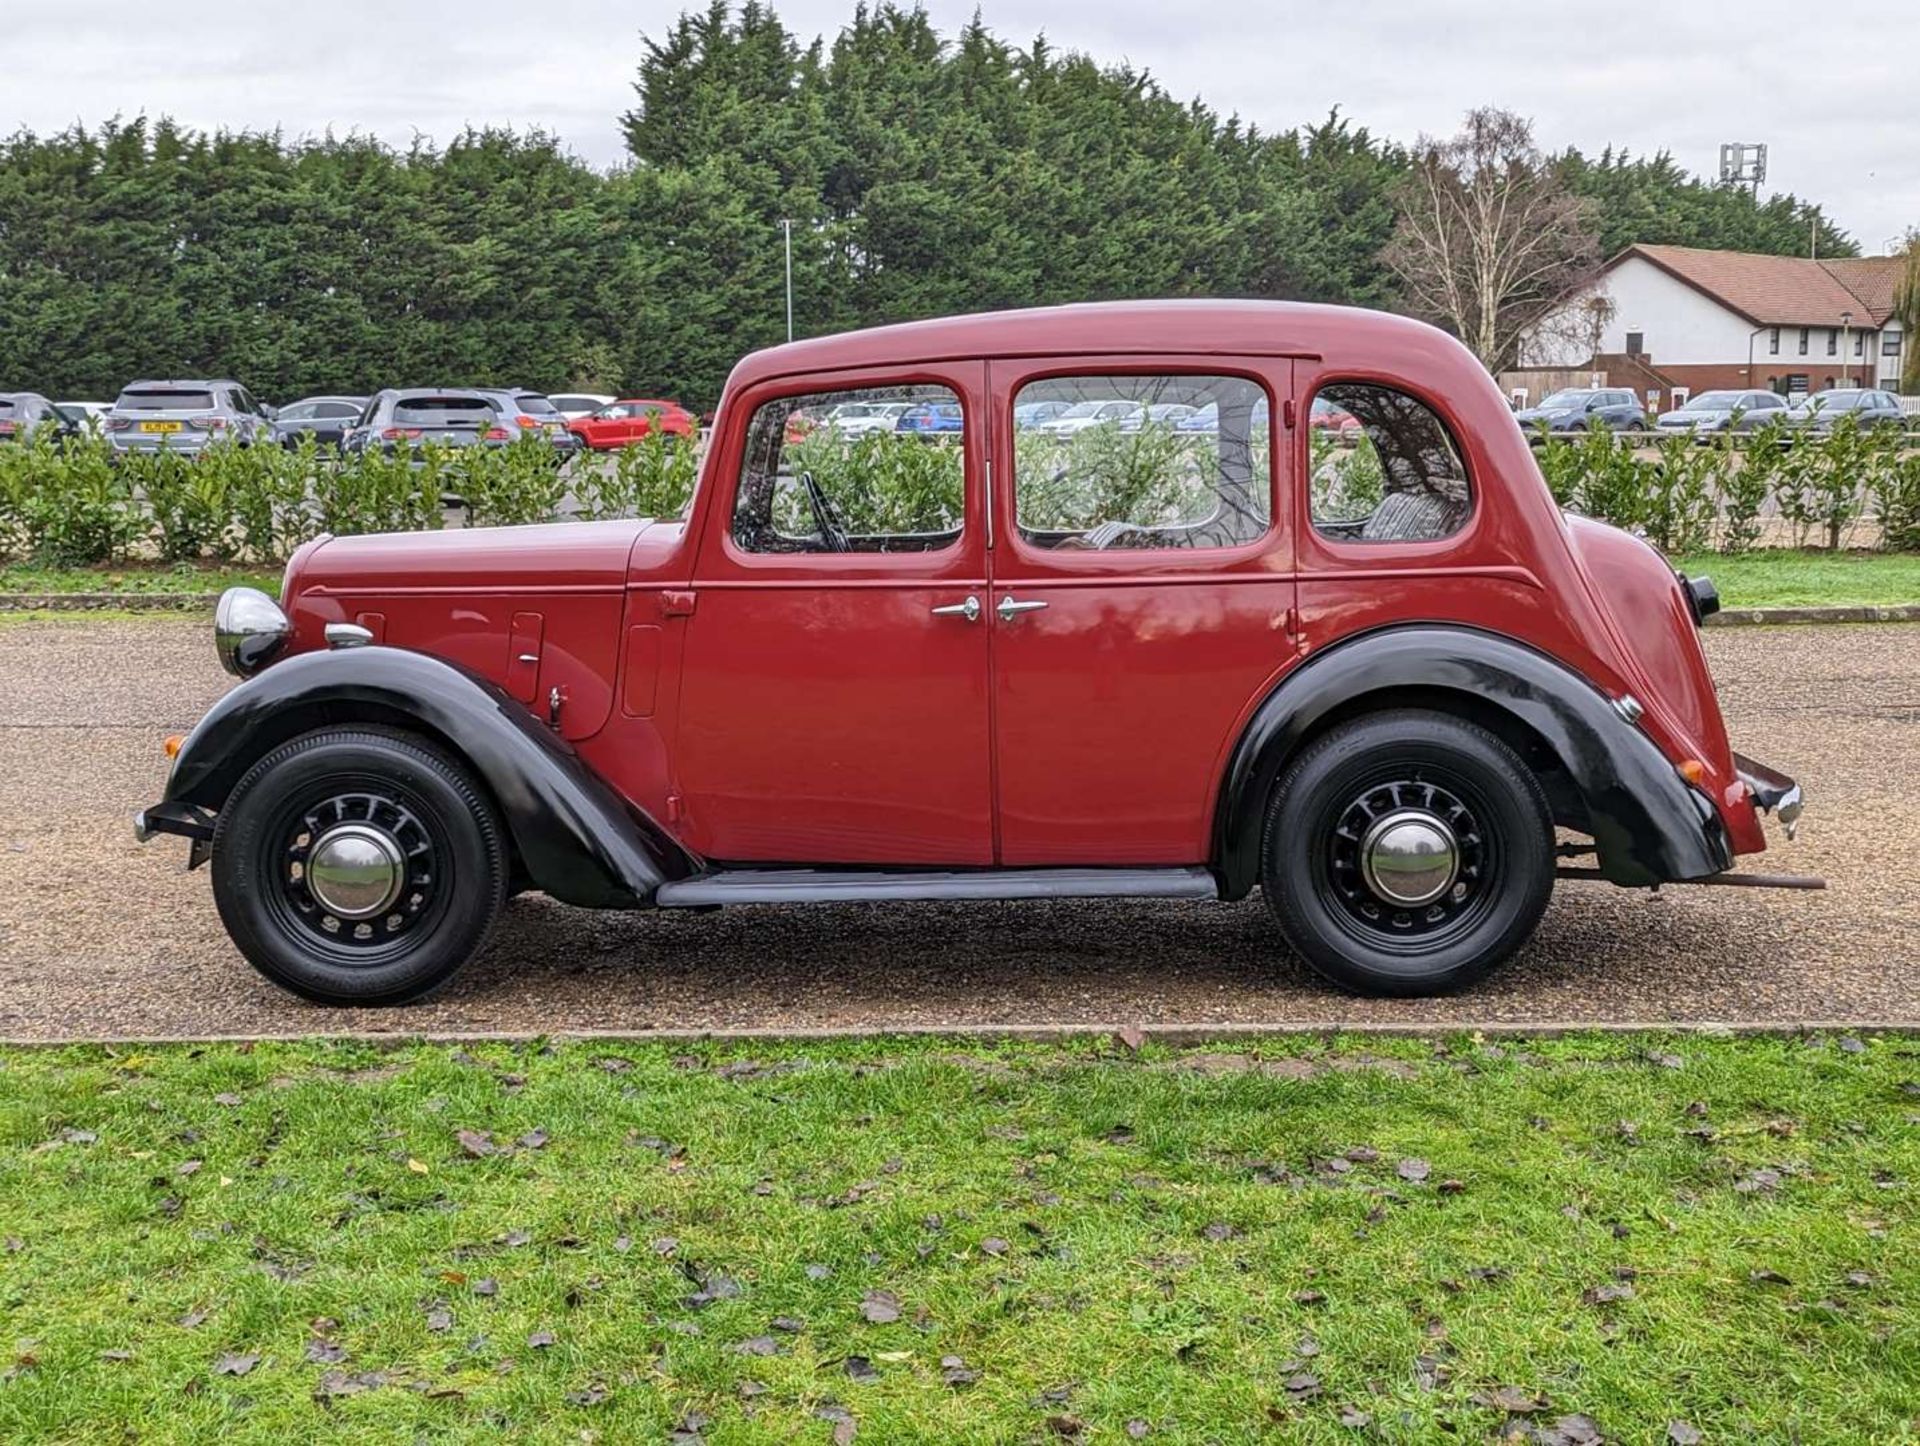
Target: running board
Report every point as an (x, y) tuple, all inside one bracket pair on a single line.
[(857, 886)]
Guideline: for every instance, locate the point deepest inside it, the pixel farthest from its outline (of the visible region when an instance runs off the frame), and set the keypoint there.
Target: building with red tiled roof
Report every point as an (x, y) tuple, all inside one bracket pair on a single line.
[(1681, 318)]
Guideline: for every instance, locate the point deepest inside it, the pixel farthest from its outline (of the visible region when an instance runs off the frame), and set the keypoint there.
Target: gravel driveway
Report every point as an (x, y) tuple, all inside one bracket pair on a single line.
[(102, 937)]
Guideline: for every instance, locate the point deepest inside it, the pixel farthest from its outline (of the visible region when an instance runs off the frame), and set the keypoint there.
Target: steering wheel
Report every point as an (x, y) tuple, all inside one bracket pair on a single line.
[(832, 531), (1108, 533)]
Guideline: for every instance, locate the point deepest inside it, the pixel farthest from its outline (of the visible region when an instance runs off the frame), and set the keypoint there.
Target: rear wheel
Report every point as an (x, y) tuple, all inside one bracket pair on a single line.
[(1407, 853), (358, 867)]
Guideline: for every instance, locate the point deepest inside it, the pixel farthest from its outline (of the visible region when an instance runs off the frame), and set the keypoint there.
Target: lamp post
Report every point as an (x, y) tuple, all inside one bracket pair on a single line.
[(786, 231), (1846, 348)]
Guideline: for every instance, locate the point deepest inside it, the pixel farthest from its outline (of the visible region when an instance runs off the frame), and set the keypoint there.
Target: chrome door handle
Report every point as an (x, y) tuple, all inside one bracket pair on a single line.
[(1009, 608), (970, 610)]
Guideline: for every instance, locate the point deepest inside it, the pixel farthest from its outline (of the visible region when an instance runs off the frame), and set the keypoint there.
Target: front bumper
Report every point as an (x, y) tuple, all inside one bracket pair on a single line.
[(1771, 791)]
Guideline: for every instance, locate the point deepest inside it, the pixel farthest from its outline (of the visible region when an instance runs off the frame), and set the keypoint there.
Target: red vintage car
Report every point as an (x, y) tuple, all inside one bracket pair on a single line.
[(1370, 681), (617, 425)]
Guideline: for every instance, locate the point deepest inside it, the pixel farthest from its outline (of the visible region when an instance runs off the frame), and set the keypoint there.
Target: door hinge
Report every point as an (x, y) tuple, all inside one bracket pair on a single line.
[(1287, 413), (674, 810), (677, 604), (1296, 633)]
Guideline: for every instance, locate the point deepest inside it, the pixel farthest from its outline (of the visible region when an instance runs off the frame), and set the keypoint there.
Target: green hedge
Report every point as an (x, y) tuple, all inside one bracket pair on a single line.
[(68, 502), (73, 502), (1691, 497)]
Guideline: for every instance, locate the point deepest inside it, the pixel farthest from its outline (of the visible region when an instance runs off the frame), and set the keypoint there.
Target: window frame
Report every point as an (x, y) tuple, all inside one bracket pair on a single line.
[(1021, 373), (719, 559), (1353, 548)]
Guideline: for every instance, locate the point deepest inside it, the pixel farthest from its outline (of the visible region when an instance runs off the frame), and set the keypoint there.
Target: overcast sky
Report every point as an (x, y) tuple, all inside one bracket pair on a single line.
[(1829, 88)]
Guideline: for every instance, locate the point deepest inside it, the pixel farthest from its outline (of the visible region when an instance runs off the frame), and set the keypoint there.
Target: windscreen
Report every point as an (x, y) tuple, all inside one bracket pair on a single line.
[(535, 405), (443, 412), (165, 399)]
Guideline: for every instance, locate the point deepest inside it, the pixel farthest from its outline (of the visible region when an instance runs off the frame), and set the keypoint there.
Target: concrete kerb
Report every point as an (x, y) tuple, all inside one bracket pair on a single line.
[(1173, 1036)]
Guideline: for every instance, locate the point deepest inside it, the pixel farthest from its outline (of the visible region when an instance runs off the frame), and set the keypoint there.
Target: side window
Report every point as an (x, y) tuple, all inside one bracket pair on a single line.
[(1141, 462), (874, 469), (1388, 473)]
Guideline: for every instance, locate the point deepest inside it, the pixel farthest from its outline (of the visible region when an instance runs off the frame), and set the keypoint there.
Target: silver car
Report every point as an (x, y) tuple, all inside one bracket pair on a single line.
[(185, 416), (1728, 411), (1868, 407)]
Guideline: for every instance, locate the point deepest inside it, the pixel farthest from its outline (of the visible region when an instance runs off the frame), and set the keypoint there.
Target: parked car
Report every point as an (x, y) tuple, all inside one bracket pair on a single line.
[(24, 413), (931, 418), (1581, 409), (1029, 415), (86, 416), (326, 419), (532, 414), (1159, 414), (860, 419), (1324, 416), (185, 416), (575, 405), (1726, 411), (1207, 418), (1868, 408), (615, 426), (1376, 710), (1095, 413), (404, 418)]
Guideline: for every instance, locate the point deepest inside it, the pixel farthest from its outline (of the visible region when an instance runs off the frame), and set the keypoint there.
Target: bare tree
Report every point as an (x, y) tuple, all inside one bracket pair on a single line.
[(1906, 306), (1490, 240)]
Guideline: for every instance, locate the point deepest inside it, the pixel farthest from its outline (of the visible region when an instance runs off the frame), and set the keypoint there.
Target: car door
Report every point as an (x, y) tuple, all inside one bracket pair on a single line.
[(1142, 603), (833, 701)]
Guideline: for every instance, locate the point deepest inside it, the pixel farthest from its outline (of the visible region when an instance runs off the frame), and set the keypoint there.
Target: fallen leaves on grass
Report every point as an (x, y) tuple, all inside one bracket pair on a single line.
[(880, 1307)]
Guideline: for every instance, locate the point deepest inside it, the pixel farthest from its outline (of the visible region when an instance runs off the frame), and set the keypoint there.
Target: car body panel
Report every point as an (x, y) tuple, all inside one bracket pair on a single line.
[(575, 837)]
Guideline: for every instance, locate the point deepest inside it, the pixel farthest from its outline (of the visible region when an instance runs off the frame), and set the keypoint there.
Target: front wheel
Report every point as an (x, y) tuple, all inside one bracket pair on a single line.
[(1407, 853), (355, 866)]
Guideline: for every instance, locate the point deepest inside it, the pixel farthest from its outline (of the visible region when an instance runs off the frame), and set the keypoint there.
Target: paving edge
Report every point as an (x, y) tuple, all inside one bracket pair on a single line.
[(91, 602), (1179, 1036)]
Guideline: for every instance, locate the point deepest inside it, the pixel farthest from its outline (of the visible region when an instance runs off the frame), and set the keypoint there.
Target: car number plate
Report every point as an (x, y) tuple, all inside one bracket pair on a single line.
[(161, 426)]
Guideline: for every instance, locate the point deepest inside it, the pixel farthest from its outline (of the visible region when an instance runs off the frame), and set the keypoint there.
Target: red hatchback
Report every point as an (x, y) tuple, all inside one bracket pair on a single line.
[(1371, 681), (613, 427)]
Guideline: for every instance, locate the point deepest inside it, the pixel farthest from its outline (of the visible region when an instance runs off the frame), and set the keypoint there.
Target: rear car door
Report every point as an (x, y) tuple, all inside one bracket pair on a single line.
[(833, 700), (1142, 601)]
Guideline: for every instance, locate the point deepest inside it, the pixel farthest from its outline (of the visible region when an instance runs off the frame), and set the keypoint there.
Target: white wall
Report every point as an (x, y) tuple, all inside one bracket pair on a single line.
[(1678, 325)]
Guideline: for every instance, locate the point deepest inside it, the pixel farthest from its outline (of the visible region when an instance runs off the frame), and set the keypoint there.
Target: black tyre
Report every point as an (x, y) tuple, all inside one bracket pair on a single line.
[(1407, 853), (355, 866)]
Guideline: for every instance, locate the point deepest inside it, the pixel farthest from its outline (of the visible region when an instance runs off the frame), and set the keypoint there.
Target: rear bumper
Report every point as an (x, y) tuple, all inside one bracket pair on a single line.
[(1771, 791)]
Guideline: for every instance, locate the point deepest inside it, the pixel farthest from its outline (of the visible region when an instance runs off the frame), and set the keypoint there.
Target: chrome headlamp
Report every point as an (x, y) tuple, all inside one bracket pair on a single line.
[(248, 629)]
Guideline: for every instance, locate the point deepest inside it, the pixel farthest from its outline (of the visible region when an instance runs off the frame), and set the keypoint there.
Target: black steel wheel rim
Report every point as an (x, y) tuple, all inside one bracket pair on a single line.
[(395, 815), (1340, 876)]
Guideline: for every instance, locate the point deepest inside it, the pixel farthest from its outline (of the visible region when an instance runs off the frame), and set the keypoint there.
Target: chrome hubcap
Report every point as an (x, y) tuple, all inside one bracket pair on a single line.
[(1409, 858), (355, 871)]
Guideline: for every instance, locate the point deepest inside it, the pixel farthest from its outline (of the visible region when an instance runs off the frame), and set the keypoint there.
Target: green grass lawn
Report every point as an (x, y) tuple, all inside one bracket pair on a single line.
[(1784, 578), (947, 1242)]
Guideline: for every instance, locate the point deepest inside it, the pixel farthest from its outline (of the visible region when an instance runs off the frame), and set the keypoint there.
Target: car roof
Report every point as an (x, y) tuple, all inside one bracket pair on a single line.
[(407, 394), (181, 383), (1231, 328), (327, 397), (23, 397)]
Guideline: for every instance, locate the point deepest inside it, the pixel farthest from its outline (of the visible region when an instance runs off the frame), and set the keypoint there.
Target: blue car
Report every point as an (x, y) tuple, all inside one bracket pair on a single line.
[(1207, 418), (929, 418)]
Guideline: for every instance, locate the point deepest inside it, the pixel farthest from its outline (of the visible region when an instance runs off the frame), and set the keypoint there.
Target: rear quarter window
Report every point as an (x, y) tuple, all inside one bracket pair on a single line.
[(1397, 477)]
